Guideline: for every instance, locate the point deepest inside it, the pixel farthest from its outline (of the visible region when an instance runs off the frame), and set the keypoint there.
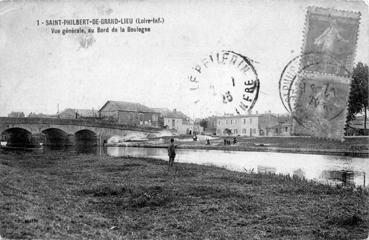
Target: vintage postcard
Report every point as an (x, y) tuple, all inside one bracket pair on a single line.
[(183, 119)]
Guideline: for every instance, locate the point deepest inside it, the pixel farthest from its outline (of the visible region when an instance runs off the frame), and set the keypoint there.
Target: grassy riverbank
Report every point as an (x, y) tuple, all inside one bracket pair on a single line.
[(67, 196)]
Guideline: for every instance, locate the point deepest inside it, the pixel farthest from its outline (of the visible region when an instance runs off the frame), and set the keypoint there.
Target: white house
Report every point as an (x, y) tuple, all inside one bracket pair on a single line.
[(245, 125), (176, 120)]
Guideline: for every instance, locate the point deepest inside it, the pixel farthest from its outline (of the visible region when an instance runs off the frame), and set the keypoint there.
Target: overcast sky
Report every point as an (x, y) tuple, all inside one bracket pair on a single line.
[(39, 70)]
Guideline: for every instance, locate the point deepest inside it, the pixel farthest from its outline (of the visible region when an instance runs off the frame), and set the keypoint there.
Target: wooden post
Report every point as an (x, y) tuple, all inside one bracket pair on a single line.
[(364, 179)]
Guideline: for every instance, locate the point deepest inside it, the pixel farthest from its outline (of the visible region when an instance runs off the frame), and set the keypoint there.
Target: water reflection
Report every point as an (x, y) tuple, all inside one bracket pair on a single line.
[(342, 176), (79, 149), (299, 173), (266, 169)]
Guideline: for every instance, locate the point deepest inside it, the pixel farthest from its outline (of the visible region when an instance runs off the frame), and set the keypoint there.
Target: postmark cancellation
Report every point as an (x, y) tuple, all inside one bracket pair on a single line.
[(321, 105)]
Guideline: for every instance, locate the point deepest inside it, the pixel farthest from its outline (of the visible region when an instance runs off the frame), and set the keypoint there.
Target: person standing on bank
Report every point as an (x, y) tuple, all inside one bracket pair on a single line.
[(171, 153)]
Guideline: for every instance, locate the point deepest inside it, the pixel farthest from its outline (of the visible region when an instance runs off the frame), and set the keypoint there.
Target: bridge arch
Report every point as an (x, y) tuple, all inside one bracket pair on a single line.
[(55, 137), (17, 137), (85, 137)]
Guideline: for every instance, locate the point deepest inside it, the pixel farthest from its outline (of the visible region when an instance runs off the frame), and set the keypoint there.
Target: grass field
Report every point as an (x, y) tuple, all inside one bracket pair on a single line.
[(67, 196)]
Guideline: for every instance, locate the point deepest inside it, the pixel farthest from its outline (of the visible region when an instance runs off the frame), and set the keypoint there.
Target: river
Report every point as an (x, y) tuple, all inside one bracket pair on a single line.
[(327, 169), (322, 168)]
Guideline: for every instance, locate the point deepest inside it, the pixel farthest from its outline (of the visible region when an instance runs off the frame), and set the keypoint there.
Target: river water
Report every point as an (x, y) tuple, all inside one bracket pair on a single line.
[(322, 168)]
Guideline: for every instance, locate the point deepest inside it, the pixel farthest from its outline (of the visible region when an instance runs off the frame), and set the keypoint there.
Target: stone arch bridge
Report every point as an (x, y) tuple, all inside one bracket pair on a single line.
[(30, 132)]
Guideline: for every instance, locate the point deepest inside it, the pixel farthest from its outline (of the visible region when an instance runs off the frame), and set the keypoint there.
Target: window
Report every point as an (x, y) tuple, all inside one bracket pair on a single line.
[(254, 130), (226, 121), (219, 122), (286, 129), (235, 131), (231, 121), (250, 120), (244, 121), (244, 130)]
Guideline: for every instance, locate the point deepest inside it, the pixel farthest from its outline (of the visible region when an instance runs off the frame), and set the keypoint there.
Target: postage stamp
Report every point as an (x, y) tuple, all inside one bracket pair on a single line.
[(321, 105), (224, 82), (323, 81), (303, 63), (334, 34)]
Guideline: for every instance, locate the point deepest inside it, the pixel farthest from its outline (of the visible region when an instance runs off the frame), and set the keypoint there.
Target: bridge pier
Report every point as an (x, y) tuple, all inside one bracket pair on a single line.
[(71, 140), (37, 139), (101, 140)]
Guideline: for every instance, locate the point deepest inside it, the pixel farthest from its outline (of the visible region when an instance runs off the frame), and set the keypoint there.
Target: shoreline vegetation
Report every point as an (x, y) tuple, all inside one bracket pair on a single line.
[(352, 146), (62, 195)]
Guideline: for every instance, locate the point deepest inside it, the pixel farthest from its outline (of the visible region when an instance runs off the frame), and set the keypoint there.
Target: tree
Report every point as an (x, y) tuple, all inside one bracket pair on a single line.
[(204, 123), (358, 101), (227, 131)]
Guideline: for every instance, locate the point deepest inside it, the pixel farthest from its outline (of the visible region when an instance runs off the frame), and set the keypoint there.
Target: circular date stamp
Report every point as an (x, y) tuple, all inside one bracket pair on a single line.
[(309, 62), (224, 82)]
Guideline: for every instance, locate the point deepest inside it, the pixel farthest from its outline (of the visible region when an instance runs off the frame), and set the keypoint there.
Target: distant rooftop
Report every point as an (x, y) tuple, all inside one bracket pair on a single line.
[(165, 112), (80, 111), (128, 106), (246, 115)]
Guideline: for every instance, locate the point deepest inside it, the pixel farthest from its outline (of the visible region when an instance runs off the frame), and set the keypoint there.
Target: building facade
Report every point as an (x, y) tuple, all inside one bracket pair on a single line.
[(282, 128), (176, 120), (245, 125), (133, 114), (16, 115), (179, 122)]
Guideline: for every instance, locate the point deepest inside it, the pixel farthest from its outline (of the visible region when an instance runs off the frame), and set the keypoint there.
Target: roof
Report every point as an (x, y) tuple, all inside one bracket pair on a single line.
[(284, 118), (284, 124), (161, 110), (128, 106), (176, 114), (83, 112), (246, 116), (165, 112)]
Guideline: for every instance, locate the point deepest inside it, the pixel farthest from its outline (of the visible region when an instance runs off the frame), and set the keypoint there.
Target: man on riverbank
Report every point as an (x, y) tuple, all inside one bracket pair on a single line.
[(171, 153)]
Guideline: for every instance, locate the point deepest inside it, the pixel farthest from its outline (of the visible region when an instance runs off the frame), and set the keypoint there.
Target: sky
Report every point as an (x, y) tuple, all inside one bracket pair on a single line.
[(40, 71)]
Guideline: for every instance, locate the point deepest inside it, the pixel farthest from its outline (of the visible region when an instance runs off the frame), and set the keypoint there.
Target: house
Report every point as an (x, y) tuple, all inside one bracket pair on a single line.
[(41, 115), (16, 115), (128, 113), (178, 121), (356, 127), (71, 113), (283, 128), (245, 125)]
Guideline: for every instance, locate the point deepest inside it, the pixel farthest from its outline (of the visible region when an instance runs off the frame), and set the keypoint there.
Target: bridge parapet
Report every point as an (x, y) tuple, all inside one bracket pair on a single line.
[(77, 122)]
